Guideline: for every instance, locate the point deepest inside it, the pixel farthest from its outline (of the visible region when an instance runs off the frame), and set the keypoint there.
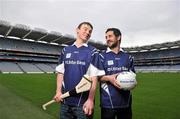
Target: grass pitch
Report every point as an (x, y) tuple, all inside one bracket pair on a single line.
[(157, 96)]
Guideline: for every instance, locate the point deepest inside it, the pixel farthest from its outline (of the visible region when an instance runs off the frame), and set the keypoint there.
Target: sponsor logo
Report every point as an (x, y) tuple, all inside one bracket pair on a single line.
[(75, 62), (117, 69), (68, 55), (110, 62)]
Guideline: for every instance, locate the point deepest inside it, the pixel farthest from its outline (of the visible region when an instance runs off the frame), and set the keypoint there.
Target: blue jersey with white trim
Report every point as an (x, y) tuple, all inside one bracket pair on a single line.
[(74, 63), (112, 97)]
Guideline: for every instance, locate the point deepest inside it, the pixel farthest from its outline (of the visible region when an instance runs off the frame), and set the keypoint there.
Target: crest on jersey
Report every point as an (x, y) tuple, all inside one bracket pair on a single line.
[(110, 62), (68, 55)]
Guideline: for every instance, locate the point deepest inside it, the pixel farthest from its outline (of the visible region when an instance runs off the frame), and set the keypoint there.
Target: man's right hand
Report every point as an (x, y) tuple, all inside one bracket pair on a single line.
[(57, 97), (113, 81)]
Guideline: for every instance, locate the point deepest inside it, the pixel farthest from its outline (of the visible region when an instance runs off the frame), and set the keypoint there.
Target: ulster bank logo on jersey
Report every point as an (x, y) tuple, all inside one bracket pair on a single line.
[(68, 55), (110, 62)]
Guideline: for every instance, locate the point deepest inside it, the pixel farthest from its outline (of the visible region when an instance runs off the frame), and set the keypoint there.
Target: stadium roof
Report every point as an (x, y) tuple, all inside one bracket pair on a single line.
[(37, 34), (166, 45)]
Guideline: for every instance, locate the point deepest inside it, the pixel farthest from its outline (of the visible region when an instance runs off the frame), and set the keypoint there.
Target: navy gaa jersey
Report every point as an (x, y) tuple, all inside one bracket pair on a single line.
[(112, 97), (74, 63)]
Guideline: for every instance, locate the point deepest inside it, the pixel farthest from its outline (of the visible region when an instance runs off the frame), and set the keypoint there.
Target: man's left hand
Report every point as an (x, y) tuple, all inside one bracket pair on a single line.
[(88, 107)]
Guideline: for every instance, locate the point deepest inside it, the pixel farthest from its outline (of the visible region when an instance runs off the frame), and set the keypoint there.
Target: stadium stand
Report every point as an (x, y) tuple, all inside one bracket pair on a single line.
[(163, 57), (26, 50), (7, 67)]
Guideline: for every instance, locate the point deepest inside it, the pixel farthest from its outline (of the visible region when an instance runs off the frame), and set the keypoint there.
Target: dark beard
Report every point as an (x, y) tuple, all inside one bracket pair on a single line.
[(114, 45)]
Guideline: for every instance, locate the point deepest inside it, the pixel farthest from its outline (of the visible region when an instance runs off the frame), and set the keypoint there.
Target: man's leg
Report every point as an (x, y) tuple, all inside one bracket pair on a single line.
[(124, 113), (65, 112), (107, 113), (79, 113)]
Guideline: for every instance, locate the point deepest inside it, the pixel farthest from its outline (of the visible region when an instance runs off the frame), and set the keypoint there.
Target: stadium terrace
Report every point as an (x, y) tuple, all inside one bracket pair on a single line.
[(26, 50)]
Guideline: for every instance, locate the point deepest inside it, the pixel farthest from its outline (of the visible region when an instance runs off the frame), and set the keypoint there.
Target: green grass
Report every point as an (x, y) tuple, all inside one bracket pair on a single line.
[(15, 107), (157, 96), (34, 88)]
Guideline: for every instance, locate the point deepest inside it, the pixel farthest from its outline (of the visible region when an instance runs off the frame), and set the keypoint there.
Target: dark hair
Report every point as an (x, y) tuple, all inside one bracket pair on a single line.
[(87, 23), (116, 31)]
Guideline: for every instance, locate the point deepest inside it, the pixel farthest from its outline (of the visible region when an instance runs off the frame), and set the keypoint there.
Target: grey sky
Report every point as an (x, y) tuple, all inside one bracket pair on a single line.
[(141, 22)]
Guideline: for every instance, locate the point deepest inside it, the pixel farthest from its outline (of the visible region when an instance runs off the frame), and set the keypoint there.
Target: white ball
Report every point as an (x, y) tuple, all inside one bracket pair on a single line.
[(127, 80)]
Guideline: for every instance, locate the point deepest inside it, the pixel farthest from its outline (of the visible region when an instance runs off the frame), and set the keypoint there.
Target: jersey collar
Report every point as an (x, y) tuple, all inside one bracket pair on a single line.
[(84, 44), (109, 50)]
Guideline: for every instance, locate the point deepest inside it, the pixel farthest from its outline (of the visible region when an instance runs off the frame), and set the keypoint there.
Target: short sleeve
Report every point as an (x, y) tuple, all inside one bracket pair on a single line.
[(131, 66), (95, 67), (60, 67)]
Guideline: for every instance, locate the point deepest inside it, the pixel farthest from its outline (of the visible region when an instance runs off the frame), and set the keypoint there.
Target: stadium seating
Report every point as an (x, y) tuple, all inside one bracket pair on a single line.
[(19, 56), (157, 54), (8, 67), (167, 60), (25, 50), (30, 68), (30, 46), (45, 67), (160, 68)]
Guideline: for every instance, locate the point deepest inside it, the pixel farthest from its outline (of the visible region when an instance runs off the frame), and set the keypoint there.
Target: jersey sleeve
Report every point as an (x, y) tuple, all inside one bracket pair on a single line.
[(60, 67), (95, 67), (131, 65)]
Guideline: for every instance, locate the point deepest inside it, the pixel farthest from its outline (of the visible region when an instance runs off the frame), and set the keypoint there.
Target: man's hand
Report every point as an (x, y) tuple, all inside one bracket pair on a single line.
[(113, 81), (57, 97), (88, 107)]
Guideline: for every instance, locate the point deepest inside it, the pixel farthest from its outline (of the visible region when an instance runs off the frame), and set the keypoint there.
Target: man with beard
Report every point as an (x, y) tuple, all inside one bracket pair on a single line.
[(115, 102)]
